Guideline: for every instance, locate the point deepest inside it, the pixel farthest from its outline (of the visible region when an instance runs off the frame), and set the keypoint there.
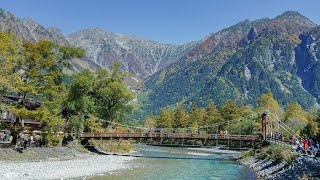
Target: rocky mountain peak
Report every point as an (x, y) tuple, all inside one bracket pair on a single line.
[(291, 14), (296, 19), (288, 23), (11, 24), (39, 32)]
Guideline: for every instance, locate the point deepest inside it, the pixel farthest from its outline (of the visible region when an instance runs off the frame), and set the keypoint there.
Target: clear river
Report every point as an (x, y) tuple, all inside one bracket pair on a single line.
[(171, 163)]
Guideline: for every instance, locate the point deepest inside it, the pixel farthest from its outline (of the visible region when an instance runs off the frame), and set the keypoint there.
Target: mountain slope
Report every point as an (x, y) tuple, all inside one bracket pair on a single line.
[(11, 24), (308, 61), (140, 57), (251, 59), (38, 32), (241, 62), (29, 30)]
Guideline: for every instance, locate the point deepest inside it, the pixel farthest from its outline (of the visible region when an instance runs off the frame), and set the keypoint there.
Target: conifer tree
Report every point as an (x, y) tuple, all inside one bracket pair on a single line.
[(165, 118), (149, 122), (230, 110), (180, 117), (197, 115), (213, 114)]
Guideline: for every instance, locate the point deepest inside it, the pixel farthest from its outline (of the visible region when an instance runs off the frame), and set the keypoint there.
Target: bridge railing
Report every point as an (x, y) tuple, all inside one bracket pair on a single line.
[(169, 135), (284, 142)]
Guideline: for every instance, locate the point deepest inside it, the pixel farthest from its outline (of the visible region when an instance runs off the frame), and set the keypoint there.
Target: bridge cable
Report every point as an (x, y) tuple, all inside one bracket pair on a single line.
[(284, 126)]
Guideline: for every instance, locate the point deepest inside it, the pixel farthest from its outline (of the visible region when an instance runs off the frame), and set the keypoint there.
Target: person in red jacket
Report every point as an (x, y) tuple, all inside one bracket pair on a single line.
[(305, 144)]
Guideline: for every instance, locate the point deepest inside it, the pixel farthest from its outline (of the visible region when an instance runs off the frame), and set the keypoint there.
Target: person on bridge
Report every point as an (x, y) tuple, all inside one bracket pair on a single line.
[(280, 136), (292, 140), (310, 142)]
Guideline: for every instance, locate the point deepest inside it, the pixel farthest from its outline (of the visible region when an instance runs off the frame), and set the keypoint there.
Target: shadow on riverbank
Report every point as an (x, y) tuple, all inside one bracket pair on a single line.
[(300, 168)]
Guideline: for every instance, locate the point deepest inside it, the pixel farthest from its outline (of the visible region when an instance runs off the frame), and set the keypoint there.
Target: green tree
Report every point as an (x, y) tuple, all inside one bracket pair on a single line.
[(149, 122), (111, 96), (197, 115), (81, 89), (165, 118), (10, 55), (32, 72), (312, 129), (213, 114), (99, 94), (180, 117), (230, 110), (295, 112), (267, 102), (297, 118)]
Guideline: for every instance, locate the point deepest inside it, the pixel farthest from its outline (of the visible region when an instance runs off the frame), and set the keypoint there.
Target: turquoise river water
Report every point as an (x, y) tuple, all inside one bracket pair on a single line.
[(169, 163)]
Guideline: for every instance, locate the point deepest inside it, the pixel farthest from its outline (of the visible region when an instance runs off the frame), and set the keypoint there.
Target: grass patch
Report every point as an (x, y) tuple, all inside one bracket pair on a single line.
[(277, 152), (116, 146), (77, 145)]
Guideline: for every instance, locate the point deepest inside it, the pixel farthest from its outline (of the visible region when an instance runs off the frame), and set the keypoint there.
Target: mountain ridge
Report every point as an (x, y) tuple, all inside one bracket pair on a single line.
[(240, 62), (136, 55), (257, 61)]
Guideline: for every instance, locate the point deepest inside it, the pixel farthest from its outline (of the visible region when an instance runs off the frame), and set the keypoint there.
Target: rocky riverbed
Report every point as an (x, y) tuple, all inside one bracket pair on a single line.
[(302, 167), (57, 163)]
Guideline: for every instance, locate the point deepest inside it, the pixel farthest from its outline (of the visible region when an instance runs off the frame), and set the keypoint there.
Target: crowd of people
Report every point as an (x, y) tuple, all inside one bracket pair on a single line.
[(297, 144), (5, 137), (28, 140), (304, 144), (276, 136)]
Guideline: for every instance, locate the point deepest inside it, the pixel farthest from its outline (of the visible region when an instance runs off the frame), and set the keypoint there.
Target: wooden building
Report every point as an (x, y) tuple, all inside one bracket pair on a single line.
[(9, 117)]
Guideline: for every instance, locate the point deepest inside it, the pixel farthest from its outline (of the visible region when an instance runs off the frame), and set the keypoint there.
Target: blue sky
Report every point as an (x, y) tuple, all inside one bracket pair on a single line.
[(167, 21)]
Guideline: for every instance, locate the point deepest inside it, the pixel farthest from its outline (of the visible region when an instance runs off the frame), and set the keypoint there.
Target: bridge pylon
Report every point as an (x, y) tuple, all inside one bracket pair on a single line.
[(264, 123)]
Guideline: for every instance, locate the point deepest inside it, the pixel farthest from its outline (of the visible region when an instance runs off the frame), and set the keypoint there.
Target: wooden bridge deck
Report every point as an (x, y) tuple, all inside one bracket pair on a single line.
[(184, 136)]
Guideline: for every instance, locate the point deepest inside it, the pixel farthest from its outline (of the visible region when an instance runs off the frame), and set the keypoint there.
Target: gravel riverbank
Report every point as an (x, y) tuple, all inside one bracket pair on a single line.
[(65, 163), (270, 169)]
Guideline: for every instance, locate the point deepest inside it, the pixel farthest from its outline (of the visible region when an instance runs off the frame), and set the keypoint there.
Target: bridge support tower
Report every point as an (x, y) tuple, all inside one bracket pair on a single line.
[(264, 123)]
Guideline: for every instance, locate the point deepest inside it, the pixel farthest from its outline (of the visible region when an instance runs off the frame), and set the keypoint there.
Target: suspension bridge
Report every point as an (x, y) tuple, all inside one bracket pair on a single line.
[(222, 133), (217, 133)]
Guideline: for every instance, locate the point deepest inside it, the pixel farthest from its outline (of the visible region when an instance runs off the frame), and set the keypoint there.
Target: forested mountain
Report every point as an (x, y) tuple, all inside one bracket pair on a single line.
[(242, 62), (308, 62), (280, 55)]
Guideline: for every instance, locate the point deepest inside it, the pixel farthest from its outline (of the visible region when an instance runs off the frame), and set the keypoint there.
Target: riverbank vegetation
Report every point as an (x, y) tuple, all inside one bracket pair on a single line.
[(277, 152), (122, 146), (280, 153)]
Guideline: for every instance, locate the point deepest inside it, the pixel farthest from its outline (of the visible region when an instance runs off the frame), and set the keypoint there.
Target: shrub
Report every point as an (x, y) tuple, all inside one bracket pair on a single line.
[(278, 153), (53, 140), (248, 153)]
